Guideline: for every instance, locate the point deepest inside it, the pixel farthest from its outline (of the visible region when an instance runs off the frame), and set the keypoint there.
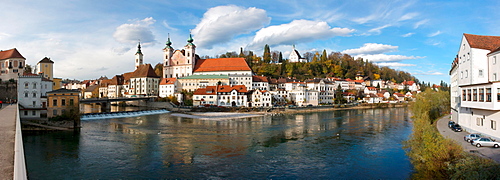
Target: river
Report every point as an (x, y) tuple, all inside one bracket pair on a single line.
[(346, 144)]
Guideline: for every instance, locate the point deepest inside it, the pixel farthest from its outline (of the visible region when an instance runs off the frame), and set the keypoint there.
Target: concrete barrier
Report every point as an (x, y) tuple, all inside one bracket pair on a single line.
[(19, 160)]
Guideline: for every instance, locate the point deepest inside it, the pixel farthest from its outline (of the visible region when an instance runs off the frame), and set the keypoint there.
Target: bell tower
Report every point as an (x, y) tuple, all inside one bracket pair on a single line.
[(138, 56), (190, 54), (168, 52)]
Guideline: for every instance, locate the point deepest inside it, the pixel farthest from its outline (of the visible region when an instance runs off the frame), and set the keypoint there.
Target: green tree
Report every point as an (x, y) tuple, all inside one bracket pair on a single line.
[(159, 70), (267, 54)]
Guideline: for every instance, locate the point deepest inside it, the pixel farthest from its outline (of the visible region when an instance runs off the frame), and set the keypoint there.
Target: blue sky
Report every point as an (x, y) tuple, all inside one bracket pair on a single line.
[(93, 38)]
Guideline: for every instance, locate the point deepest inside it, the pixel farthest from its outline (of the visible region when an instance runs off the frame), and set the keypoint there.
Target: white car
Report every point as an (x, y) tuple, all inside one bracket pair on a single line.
[(485, 142), (471, 137)]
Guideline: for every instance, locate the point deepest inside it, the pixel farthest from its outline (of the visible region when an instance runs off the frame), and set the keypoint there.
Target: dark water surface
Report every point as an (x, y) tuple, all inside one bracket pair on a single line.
[(348, 144)]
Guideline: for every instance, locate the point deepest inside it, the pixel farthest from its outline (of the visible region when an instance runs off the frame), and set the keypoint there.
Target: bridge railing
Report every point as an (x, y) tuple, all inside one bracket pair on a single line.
[(19, 160)]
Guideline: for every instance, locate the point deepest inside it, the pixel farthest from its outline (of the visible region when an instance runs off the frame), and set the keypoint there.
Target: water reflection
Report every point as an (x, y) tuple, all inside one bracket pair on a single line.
[(351, 144)]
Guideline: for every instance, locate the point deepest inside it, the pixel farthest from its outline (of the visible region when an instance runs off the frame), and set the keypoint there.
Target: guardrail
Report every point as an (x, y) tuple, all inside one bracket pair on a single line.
[(19, 160)]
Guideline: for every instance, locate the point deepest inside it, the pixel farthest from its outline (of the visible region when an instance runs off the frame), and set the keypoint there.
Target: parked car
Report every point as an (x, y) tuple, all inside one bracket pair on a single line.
[(451, 123), (471, 137), (456, 128), (485, 142)]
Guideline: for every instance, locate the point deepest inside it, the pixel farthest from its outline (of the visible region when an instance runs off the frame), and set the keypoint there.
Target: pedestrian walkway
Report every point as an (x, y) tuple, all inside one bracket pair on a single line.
[(487, 152), (7, 140)]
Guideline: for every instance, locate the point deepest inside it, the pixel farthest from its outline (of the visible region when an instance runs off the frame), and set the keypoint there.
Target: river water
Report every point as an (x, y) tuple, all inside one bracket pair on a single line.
[(347, 144)]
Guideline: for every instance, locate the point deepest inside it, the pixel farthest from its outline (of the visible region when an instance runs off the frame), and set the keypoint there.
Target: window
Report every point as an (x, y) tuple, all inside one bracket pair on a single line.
[(34, 103), (25, 113), (63, 102), (481, 95), (480, 73), (494, 76), (34, 94), (469, 95), (25, 94), (498, 94), (488, 94), (479, 121), (474, 95), (464, 95), (71, 102), (34, 85), (54, 112), (493, 125), (33, 113), (54, 102), (26, 85), (466, 73), (494, 60)]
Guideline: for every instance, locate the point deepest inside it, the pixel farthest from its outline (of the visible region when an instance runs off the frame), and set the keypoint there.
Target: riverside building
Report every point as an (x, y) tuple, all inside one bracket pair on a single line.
[(475, 84)]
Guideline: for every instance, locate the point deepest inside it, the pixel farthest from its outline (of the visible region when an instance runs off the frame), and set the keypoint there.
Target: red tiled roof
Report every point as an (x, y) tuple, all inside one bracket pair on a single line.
[(11, 53), (222, 88), (165, 81), (144, 70), (259, 79), (483, 42), (221, 64), (372, 88)]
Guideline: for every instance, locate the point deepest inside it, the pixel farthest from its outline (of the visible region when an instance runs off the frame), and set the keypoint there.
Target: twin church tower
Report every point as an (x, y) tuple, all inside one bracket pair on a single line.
[(176, 63)]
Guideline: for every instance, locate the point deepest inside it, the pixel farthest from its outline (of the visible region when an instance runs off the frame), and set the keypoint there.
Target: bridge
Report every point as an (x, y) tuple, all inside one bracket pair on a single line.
[(12, 162), (104, 102)]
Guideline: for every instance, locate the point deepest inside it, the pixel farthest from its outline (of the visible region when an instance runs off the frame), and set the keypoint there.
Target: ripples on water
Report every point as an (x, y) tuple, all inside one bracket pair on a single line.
[(350, 144)]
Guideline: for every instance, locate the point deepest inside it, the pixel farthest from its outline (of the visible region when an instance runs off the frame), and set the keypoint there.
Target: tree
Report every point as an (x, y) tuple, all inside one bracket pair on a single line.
[(159, 69), (266, 57), (280, 58), (339, 96), (323, 57), (28, 69)]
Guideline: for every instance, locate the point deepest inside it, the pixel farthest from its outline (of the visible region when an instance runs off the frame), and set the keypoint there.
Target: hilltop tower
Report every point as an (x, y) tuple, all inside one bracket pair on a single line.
[(190, 52)]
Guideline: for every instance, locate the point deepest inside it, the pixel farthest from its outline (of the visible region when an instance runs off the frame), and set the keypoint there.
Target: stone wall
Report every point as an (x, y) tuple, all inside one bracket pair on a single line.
[(8, 91)]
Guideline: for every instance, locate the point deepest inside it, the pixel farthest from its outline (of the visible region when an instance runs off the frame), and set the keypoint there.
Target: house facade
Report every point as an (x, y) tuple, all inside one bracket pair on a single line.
[(11, 64)]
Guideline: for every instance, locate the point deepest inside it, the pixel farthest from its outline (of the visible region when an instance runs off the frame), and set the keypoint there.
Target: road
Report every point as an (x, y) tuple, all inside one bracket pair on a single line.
[(487, 152)]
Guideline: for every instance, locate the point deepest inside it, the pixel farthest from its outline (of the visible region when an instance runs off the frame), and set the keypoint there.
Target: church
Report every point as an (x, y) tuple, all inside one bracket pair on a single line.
[(186, 64)]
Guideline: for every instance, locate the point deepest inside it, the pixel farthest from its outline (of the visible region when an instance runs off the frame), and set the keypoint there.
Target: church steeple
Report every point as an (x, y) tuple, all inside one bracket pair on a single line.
[(190, 53), (138, 56)]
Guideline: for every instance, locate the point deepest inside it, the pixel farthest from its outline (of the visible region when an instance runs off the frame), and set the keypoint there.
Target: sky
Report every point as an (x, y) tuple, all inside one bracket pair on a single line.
[(88, 39)]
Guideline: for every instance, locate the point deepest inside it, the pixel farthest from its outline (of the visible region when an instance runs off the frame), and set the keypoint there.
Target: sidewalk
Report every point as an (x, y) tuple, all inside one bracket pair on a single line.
[(487, 152), (7, 139)]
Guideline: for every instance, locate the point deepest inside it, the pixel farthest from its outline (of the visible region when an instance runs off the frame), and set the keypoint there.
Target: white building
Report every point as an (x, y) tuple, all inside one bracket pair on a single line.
[(295, 56), (477, 73), (144, 82), (260, 82), (260, 98), (168, 87), (11, 64), (32, 95), (223, 95)]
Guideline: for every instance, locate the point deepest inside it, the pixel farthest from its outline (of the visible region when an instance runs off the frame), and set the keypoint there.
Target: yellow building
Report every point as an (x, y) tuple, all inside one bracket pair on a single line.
[(61, 101), (46, 67), (57, 83)]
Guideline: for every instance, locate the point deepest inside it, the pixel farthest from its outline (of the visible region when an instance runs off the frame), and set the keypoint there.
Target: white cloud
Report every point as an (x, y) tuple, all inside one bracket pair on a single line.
[(408, 16), (371, 48), (407, 34), (295, 32), (429, 73), (378, 30), (386, 58), (135, 31), (165, 24), (419, 23), (395, 64), (435, 34), (220, 24)]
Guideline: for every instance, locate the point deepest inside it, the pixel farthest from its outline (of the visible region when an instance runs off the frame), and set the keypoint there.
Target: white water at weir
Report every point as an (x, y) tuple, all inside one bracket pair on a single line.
[(95, 116)]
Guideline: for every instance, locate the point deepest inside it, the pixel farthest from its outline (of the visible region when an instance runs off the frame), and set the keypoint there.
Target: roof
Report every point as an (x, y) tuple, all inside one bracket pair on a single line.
[(200, 76), (222, 88), (11, 53), (91, 88), (145, 70), (221, 64), (483, 42), (166, 81), (116, 80), (46, 60), (259, 79), (63, 90)]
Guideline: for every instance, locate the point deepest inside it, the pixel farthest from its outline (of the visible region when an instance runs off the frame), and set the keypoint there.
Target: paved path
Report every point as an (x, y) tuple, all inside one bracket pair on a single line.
[(7, 139), (487, 152)]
